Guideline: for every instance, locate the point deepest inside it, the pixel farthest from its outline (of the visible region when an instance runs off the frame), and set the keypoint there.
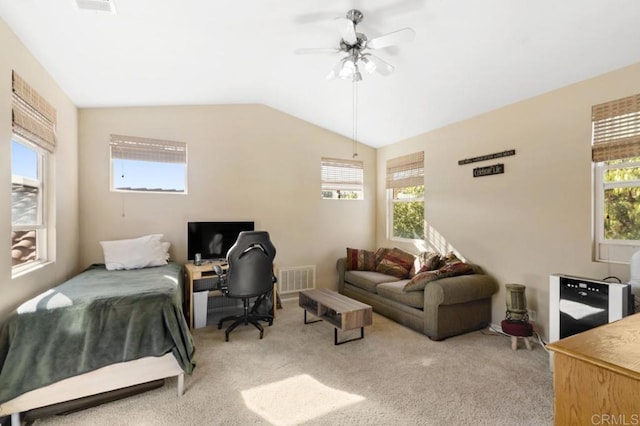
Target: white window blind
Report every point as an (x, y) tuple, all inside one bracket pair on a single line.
[(406, 171), (33, 118), (145, 149), (342, 175), (616, 129)]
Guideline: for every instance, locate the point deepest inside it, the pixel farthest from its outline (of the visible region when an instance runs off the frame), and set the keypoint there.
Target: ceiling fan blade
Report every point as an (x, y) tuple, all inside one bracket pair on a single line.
[(348, 31), (382, 67), (390, 39), (313, 50)]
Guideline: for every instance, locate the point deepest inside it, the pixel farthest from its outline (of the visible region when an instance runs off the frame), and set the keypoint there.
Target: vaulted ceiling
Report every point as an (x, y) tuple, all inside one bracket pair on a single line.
[(468, 56)]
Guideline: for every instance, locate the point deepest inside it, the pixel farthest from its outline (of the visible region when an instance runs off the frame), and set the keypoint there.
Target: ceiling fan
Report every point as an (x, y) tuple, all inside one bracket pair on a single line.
[(356, 46)]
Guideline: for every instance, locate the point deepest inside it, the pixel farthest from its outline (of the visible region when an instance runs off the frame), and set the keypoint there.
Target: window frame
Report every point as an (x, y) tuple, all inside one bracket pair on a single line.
[(391, 201), (146, 152), (42, 225), (606, 250), (349, 175), (615, 136), (406, 171)]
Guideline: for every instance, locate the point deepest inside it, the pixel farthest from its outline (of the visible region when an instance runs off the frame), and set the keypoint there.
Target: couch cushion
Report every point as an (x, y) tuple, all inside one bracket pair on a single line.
[(367, 280), (395, 291), (397, 263), (360, 260)]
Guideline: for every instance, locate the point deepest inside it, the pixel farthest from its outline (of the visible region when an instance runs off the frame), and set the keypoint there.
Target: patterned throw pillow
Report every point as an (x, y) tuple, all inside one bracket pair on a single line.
[(425, 261), (420, 281), (360, 260), (380, 254), (452, 269), (396, 263), (450, 258)]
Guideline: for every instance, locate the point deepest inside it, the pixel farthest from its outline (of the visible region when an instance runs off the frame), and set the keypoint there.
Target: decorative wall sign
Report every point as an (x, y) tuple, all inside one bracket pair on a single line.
[(487, 157), (496, 169)]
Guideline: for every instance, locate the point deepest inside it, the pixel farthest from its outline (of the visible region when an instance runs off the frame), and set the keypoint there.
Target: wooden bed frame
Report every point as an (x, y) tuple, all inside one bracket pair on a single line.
[(105, 379)]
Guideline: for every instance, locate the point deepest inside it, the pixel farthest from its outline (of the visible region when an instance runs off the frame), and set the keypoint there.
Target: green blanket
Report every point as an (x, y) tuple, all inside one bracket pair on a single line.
[(95, 319)]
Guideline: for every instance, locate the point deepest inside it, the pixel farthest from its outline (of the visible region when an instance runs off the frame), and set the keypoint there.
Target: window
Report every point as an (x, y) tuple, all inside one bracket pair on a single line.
[(342, 179), (28, 231), (148, 165), (405, 188), (33, 141), (616, 157)]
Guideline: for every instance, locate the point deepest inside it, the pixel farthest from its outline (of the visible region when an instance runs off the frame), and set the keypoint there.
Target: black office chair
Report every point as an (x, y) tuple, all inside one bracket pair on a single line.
[(249, 275)]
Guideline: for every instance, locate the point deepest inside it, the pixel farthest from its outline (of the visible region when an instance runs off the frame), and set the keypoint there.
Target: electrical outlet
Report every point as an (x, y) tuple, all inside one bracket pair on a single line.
[(533, 316)]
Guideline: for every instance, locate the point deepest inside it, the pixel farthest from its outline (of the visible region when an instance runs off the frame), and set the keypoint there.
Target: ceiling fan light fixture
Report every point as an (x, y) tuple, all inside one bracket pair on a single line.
[(356, 46), (369, 66), (349, 68)]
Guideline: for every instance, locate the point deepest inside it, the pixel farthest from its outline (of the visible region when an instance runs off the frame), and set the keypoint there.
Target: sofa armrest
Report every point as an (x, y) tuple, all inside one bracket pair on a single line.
[(340, 266), (459, 289)]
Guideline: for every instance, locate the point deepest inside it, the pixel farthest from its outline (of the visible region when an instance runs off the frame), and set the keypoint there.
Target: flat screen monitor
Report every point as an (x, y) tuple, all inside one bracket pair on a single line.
[(213, 239)]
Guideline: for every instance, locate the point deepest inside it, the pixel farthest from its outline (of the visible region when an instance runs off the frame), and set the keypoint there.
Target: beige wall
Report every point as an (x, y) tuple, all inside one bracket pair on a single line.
[(250, 162), (245, 162), (536, 218), (63, 172)]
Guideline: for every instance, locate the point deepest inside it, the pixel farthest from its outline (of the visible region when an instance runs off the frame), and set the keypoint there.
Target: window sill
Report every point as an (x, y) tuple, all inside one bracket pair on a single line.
[(26, 269), (616, 251)]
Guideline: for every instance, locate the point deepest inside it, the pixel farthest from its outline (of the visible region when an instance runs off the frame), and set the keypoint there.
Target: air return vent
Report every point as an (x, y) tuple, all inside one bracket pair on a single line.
[(97, 5), (295, 278)]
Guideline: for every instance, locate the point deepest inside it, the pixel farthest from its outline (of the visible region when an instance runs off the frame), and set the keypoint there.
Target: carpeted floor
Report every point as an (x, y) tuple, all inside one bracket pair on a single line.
[(295, 375)]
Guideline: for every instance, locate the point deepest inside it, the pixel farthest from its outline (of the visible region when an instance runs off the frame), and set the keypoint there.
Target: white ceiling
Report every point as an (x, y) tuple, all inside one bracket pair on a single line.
[(468, 57)]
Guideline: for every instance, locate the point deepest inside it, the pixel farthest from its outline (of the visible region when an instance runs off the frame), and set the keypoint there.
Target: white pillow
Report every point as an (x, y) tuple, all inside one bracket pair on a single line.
[(134, 253), (165, 248)]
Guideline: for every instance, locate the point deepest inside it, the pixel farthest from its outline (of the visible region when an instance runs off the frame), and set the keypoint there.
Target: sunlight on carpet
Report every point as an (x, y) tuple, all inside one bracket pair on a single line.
[(426, 362), (296, 400)]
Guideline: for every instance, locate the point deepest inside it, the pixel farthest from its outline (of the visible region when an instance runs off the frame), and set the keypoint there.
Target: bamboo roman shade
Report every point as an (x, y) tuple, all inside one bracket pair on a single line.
[(145, 149), (33, 117), (405, 171), (342, 175), (616, 129)]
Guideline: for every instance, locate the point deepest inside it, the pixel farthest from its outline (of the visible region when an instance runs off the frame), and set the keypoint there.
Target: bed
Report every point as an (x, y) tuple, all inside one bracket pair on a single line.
[(101, 330)]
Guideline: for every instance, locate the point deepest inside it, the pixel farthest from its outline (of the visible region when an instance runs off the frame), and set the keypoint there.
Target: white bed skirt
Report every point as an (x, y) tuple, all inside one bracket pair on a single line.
[(105, 379)]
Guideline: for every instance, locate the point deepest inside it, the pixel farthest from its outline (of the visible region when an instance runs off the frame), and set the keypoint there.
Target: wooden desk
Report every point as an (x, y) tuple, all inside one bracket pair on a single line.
[(205, 271), (597, 375), (197, 272)]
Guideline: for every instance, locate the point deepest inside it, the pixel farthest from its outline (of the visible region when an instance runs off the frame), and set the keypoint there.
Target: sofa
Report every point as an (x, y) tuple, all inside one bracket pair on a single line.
[(453, 298)]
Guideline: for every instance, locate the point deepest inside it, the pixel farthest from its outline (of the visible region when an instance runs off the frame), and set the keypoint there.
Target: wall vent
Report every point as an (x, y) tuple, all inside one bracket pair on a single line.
[(295, 278), (97, 5)]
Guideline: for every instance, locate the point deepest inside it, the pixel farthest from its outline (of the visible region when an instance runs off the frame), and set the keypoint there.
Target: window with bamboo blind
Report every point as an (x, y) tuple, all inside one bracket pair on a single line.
[(615, 153), (342, 179), (33, 141), (405, 188), (148, 165)]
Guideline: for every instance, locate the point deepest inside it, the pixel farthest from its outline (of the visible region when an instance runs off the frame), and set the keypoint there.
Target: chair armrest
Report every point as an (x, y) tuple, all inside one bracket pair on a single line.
[(222, 283), (459, 289)]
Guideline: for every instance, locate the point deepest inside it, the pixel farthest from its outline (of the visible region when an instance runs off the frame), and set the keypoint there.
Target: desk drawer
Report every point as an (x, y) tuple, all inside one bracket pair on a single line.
[(209, 283)]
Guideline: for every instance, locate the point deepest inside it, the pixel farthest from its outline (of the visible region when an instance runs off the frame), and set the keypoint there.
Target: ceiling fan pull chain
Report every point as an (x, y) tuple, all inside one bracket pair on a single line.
[(355, 118)]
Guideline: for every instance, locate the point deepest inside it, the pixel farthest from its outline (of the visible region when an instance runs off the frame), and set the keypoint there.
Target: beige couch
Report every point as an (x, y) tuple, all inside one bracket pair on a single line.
[(446, 307)]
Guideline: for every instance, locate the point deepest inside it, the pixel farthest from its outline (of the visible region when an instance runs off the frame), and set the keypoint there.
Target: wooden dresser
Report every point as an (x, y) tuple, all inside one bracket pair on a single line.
[(597, 375)]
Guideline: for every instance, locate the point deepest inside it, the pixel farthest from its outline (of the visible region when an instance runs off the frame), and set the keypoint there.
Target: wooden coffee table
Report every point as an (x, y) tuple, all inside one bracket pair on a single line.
[(338, 310)]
